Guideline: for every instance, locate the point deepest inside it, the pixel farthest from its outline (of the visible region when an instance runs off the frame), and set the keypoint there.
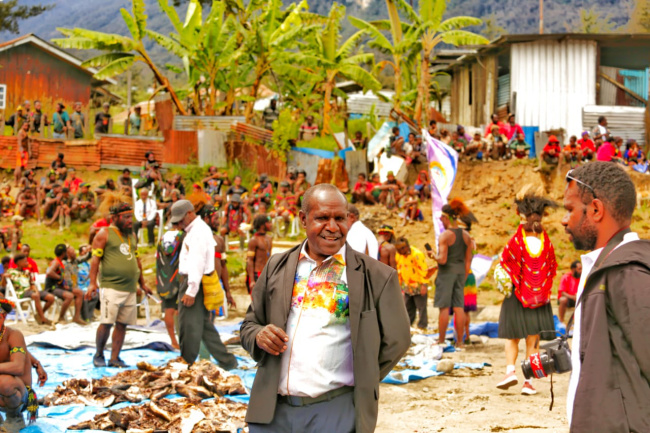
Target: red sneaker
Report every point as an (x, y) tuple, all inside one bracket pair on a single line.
[(509, 380), (528, 389)]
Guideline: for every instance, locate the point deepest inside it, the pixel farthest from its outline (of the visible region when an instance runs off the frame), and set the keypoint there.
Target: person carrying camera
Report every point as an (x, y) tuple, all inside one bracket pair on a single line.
[(526, 269), (609, 390)]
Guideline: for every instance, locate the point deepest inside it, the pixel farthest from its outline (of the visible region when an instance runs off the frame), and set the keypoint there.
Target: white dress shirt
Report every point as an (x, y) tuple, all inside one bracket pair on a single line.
[(362, 240), (139, 209), (588, 261), (318, 358), (197, 254)]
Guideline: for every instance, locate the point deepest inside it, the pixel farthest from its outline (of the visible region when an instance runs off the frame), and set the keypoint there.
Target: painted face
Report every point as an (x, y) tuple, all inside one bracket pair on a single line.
[(577, 223), (124, 222), (326, 224)]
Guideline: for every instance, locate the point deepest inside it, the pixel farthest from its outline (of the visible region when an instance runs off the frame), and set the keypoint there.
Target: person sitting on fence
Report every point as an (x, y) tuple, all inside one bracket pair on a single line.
[(262, 191), (476, 148), (60, 123), (571, 152), (27, 203), (78, 121), (103, 119), (60, 167), (7, 201), (519, 146), (83, 206), (38, 118), (23, 283), (55, 284), (285, 205), (587, 147), (235, 214), (551, 152), (17, 120), (144, 213)]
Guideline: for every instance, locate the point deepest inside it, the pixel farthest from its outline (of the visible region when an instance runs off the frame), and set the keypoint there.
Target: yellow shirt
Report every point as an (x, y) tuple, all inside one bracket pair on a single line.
[(412, 271)]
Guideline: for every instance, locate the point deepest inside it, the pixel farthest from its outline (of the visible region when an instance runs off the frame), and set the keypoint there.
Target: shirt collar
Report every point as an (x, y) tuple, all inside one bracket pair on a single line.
[(192, 224), (339, 256)]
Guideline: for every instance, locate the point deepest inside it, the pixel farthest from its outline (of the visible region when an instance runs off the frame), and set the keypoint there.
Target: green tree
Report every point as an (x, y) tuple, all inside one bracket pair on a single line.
[(331, 60), (121, 52), (429, 29), (11, 14), (206, 47)]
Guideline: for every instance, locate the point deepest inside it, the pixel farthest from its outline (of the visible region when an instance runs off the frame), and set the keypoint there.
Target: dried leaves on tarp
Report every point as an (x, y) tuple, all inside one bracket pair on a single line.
[(202, 380)]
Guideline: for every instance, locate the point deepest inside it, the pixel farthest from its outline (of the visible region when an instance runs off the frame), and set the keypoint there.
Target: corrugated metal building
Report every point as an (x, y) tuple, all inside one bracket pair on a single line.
[(547, 80), (33, 69)]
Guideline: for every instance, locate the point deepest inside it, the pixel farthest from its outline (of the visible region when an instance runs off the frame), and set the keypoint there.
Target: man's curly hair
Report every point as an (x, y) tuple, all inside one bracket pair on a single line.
[(611, 185)]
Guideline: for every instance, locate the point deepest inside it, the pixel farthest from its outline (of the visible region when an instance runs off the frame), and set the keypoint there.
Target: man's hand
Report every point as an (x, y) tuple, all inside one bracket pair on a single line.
[(187, 300), (230, 300), (272, 339), (42, 374), (423, 290), (92, 288), (251, 284), (146, 289)]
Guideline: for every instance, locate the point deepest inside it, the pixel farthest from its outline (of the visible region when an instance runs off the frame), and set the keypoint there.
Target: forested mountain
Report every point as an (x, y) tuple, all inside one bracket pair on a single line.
[(514, 16)]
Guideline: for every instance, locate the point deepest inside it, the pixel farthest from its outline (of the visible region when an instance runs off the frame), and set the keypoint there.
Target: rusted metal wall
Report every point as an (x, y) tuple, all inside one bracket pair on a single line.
[(181, 147), (164, 111), (122, 151), (255, 157), (473, 92), (30, 73), (79, 154)]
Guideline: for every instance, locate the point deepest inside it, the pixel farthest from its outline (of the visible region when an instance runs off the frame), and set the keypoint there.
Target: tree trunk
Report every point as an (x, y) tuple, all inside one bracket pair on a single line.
[(327, 107), (422, 101), (397, 99), (163, 81), (259, 74)]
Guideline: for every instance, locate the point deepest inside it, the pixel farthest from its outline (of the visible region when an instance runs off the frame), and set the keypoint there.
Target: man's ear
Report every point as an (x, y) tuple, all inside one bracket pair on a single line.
[(597, 210)]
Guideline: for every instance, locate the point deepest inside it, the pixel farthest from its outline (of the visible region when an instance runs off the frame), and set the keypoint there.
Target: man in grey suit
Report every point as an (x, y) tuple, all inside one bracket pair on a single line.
[(325, 325)]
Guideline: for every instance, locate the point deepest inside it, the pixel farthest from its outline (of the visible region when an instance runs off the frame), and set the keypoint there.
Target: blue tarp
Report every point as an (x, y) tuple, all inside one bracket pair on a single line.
[(325, 154), (424, 370)]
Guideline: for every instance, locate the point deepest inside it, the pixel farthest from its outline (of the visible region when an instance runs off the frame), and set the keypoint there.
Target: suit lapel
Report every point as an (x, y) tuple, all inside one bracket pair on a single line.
[(288, 281), (355, 291)]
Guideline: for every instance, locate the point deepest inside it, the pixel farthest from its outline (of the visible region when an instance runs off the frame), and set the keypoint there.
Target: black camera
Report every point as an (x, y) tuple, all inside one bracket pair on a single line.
[(555, 359)]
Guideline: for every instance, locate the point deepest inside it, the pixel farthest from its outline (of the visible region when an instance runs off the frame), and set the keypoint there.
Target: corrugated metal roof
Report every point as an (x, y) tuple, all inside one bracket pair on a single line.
[(193, 123), (625, 122), (52, 49), (553, 81)]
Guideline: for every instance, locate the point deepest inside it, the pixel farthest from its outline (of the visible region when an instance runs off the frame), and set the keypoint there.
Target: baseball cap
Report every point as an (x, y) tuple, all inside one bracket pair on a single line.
[(236, 198), (390, 173), (180, 209), (17, 218)]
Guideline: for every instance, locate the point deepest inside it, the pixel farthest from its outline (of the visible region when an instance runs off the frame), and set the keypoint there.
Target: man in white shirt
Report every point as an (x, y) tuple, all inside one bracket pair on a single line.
[(325, 325), (361, 238), (609, 390), (197, 259), (145, 215)]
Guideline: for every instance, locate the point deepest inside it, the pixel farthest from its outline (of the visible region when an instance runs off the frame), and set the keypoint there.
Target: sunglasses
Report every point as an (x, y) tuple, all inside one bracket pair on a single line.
[(570, 178)]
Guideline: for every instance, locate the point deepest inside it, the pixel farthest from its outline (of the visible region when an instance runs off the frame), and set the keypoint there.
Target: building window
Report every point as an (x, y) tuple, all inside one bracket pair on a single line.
[(3, 96)]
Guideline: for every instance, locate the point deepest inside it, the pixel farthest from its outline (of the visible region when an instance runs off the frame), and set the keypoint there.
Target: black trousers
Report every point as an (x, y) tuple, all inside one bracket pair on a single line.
[(195, 326), (137, 225), (417, 303)]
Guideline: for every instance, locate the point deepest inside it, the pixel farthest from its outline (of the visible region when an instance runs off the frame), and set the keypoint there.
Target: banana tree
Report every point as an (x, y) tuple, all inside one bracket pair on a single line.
[(428, 28), (206, 47), (332, 61), (120, 51)]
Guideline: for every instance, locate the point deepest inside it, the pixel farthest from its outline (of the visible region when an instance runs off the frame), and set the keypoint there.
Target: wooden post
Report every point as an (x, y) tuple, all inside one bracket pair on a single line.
[(541, 17), (2, 122), (110, 125)]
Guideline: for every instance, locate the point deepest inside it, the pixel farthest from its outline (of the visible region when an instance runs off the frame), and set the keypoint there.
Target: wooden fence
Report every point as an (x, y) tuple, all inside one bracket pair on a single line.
[(256, 158)]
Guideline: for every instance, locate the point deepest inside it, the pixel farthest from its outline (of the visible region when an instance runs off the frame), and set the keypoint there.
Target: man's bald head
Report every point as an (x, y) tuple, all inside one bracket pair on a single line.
[(322, 191)]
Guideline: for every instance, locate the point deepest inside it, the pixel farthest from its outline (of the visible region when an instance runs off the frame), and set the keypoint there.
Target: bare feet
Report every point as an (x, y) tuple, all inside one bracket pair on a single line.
[(79, 321)]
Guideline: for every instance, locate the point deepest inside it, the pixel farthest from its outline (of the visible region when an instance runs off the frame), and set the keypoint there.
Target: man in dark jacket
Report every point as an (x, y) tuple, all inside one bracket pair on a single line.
[(609, 390), (325, 325)]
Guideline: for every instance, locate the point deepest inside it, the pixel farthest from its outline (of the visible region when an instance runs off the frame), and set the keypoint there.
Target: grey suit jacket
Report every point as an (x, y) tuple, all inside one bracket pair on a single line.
[(379, 325)]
